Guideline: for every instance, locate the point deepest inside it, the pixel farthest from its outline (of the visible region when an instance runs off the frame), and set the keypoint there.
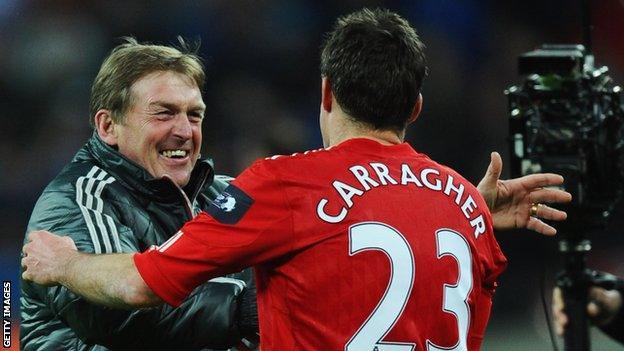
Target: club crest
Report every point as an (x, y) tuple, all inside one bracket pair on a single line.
[(225, 201), (230, 206)]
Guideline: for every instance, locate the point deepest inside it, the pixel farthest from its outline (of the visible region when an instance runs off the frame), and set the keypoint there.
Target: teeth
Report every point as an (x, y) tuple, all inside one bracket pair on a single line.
[(174, 153)]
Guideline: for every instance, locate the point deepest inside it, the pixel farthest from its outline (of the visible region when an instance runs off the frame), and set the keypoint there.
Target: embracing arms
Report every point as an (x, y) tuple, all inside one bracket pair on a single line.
[(113, 280), (110, 280)]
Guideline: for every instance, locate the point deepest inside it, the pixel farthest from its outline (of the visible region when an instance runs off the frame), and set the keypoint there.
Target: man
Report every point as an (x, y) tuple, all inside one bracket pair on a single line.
[(604, 310), (315, 224), (132, 186)]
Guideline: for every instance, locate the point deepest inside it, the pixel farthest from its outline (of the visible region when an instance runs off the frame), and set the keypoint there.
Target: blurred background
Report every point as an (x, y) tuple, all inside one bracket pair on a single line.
[(263, 95)]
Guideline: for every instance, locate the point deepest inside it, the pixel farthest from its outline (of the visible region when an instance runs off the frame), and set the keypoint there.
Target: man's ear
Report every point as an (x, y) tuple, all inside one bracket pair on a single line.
[(105, 127), (416, 110), (326, 94)]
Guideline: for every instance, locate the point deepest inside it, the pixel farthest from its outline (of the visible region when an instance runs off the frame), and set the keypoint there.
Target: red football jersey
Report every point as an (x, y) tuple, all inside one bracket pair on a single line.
[(360, 246)]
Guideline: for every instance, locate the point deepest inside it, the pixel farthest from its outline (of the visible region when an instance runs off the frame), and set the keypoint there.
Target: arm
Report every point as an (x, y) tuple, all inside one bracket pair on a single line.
[(607, 305), (604, 310), (510, 200), (212, 316), (110, 280), (215, 315)]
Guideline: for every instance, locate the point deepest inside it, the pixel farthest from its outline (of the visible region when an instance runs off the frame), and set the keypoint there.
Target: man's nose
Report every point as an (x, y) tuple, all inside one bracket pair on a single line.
[(182, 127)]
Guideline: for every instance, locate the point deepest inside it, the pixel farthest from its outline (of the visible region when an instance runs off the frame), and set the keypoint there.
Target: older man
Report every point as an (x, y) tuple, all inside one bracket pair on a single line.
[(316, 225), (133, 185)]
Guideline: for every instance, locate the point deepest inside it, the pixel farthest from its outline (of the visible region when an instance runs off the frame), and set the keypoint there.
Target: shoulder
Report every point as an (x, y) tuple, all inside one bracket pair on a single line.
[(78, 173), (308, 154), (447, 171), (219, 183), (80, 197), (79, 183), (460, 179), (294, 161)]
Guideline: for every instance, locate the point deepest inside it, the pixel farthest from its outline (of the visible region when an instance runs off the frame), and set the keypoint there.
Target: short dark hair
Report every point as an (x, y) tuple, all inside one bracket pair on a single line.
[(375, 64)]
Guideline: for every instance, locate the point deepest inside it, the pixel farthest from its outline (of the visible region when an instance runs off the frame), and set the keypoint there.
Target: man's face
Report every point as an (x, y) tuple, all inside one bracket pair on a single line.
[(162, 129)]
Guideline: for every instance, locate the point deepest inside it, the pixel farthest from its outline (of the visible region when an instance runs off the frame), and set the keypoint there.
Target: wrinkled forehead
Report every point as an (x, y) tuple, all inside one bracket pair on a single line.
[(168, 87)]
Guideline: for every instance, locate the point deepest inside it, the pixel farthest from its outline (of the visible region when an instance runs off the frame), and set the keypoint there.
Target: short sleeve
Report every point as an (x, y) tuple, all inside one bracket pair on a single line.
[(248, 223), (494, 261)]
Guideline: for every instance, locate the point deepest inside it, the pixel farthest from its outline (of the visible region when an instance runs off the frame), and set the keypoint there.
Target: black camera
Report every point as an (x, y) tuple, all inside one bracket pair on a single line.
[(567, 117)]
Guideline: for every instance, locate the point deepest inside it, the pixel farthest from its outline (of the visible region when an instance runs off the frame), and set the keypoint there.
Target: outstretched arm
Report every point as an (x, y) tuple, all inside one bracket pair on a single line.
[(510, 200), (110, 280)]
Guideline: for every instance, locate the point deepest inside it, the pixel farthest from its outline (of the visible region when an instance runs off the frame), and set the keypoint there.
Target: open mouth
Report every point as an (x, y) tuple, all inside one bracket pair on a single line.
[(174, 154)]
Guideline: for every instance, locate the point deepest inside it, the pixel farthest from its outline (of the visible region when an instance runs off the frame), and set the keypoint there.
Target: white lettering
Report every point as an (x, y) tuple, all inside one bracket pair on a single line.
[(423, 176), (6, 331), (347, 192), (362, 176), (6, 299), (431, 178), (320, 210), (383, 173), (479, 226), (407, 176), (6, 314), (458, 189), (469, 206)]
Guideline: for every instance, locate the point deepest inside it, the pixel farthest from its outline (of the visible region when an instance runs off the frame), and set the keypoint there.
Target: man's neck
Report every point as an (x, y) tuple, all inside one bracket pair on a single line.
[(350, 130)]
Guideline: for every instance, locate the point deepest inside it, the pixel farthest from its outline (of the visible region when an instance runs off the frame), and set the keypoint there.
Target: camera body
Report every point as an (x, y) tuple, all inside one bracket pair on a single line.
[(567, 117)]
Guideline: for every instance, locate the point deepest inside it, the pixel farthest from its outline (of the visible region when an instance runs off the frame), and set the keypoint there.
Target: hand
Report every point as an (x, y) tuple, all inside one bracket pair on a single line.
[(44, 257), (510, 200), (603, 306)]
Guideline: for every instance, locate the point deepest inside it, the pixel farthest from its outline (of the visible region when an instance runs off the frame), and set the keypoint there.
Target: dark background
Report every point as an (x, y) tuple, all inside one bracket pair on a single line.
[(263, 96)]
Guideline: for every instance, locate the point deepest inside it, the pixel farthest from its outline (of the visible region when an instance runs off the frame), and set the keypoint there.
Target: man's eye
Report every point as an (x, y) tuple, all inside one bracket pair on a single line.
[(195, 116)]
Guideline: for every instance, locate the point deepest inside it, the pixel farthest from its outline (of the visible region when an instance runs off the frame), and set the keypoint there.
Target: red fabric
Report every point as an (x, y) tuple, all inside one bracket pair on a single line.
[(314, 295)]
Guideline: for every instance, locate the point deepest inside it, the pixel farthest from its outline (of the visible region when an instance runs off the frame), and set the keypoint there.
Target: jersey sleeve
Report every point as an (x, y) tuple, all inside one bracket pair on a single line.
[(493, 260), (247, 224)]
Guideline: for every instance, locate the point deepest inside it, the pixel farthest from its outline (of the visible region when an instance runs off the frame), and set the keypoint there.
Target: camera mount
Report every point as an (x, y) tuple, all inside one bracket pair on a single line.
[(567, 118)]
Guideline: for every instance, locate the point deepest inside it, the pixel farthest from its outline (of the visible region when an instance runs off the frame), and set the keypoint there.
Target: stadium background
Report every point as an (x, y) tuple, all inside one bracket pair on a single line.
[(262, 95)]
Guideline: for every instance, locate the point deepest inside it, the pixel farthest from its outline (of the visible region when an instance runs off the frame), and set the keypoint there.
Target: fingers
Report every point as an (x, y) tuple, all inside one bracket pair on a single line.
[(493, 172), (596, 308), (537, 225), (549, 195), (26, 275), (70, 242), (549, 213), (560, 318), (541, 180), (593, 310), (26, 263), (603, 305), (36, 235), (496, 166)]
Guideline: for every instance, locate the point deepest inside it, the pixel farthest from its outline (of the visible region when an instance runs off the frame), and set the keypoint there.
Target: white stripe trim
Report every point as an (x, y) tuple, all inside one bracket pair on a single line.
[(97, 211), (92, 197), (85, 213), (113, 227), (170, 242), (241, 284)]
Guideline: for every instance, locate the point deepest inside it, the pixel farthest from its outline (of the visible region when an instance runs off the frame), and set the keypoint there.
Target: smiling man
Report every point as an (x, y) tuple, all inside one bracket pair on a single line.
[(366, 244), (162, 129), (132, 186)]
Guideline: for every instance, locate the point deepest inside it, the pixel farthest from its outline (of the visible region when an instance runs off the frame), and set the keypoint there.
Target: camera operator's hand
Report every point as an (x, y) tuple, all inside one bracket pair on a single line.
[(511, 201), (602, 308)]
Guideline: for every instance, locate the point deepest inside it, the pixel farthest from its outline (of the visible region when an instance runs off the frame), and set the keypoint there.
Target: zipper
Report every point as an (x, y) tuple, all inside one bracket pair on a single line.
[(187, 203)]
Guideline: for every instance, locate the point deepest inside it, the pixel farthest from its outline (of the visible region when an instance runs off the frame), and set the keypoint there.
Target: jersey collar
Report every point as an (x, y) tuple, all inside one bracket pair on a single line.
[(137, 178)]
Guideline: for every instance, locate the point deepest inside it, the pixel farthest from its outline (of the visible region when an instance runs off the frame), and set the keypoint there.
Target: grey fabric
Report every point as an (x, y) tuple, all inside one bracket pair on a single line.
[(106, 204)]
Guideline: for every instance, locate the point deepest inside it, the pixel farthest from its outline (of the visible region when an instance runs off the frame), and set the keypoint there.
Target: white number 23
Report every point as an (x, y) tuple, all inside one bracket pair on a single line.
[(379, 236)]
